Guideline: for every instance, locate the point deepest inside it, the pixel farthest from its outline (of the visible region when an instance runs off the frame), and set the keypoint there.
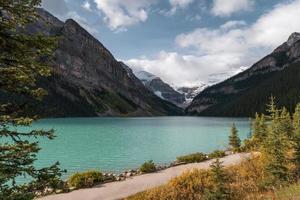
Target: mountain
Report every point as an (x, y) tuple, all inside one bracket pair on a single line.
[(190, 93), (277, 74), (145, 77), (87, 80), (160, 88)]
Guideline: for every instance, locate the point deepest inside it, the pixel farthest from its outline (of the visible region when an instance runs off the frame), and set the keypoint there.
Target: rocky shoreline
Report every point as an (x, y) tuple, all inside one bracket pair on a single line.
[(130, 173), (113, 177), (139, 183), (135, 172)]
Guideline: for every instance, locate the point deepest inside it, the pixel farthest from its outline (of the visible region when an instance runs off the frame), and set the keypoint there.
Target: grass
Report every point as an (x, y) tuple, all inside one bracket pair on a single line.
[(288, 193), (245, 182), (291, 192)]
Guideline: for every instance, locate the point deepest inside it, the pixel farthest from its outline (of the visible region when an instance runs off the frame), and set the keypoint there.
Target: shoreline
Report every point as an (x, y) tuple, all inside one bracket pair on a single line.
[(129, 173), (135, 184)]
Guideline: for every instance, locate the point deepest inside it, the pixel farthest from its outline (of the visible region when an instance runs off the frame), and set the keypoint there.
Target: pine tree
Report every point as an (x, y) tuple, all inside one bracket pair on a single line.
[(286, 125), (234, 140), (259, 131), (296, 139), (271, 109), (263, 128), (275, 152), (275, 148), (296, 120), (20, 66), (256, 127), (220, 190)]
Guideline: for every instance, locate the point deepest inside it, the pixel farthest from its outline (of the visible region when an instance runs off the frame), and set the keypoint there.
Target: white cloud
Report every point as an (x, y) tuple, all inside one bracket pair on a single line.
[(186, 70), (225, 50), (120, 14), (192, 18), (274, 27), (233, 24), (180, 3), (227, 7), (87, 6), (175, 5), (211, 41)]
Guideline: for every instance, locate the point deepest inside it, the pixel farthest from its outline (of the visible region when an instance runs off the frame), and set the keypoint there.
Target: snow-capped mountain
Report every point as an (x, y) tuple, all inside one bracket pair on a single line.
[(181, 96), (160, 88), (190, 92), (145, 77), (247, 93)]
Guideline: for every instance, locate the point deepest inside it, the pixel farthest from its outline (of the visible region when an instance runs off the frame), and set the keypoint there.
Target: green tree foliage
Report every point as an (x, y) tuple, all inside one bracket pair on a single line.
[(255, 92), (192, 158), (276, 145), (85, 179), (22, 62), (259, 130), (286, 125), (277, 137), (148, 167), (217, 154), (220, 180), (276, 166), (234, 140), (296, 137)]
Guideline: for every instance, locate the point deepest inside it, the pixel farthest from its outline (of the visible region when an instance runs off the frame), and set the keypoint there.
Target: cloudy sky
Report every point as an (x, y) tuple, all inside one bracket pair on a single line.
[(185, 42)]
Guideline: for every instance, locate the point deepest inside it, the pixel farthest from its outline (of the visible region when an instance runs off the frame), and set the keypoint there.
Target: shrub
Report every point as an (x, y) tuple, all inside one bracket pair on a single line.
[(148, 167), (242, 180), (248, 177), (217, 154), (189, 186), (221, 182), (192, 158), (85, 179)]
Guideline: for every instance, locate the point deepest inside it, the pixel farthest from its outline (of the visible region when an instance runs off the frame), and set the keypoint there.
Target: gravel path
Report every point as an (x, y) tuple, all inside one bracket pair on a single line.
[(122, 189)]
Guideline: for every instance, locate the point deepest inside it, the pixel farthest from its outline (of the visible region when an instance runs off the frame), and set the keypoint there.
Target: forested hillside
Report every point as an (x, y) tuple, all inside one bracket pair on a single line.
[(284, 85), (277, 74)]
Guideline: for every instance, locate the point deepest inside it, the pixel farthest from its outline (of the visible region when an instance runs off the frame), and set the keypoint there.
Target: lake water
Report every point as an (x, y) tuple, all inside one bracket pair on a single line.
[(116, 144)]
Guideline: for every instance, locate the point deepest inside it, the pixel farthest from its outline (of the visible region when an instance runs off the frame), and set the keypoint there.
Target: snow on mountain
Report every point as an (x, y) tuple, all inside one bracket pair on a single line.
[(191, 92), (145, 77), (181, 96)]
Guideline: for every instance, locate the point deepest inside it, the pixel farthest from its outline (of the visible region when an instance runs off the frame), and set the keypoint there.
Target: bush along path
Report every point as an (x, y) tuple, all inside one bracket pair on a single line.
[(93, 178)]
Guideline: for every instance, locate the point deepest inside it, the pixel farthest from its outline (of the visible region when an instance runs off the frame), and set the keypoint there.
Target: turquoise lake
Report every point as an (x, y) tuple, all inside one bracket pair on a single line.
[(116, 144)]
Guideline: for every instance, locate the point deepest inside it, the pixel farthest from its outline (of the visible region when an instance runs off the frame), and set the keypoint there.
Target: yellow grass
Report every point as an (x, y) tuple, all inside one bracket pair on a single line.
[(246, 183)]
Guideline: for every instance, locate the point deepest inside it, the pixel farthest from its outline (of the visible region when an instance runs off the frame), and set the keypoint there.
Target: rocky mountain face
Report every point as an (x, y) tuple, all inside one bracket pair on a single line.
[(160, 88), (88, 81), (249, 91), (190, 93)]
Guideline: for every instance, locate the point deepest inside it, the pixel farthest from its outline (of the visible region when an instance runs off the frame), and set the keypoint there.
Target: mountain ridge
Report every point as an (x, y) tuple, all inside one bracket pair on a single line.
[(161, 88), (224, 98), (87, 80)]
